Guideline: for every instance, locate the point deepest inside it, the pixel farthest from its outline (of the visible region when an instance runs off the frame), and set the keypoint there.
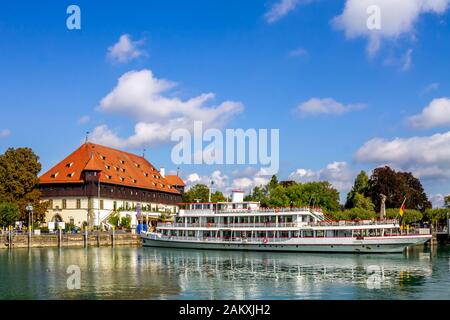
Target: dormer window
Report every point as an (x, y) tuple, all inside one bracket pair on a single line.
[(70, 175), (137, 165), (122, 179), (122, 162), (146, 175), (134, 180), (69, 165), (54, 175), (103, 157)]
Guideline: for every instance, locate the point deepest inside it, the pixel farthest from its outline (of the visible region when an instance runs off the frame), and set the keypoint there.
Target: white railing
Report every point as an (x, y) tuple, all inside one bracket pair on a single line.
[(231, 225), (353, 223)]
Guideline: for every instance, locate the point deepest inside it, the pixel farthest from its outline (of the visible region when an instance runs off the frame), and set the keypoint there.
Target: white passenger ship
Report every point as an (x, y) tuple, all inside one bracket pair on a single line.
[(243, 225)]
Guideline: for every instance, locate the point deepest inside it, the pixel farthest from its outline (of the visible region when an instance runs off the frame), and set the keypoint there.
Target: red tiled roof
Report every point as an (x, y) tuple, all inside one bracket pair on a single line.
[(175, 181), (117, 167)]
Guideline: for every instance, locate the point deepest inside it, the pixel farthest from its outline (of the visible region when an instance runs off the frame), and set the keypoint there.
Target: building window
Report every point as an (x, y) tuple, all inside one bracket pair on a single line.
[(101, 204), (78, 203), (64, 204)]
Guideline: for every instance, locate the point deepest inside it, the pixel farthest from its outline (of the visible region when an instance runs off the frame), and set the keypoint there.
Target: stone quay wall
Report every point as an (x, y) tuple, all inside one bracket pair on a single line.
[(103, 239)]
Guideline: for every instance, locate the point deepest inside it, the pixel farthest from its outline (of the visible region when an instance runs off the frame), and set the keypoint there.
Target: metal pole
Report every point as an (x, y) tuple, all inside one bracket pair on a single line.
[(29, 230), (99, 202)]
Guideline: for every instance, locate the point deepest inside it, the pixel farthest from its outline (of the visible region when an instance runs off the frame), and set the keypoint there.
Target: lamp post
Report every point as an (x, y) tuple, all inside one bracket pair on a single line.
[(29, 208)]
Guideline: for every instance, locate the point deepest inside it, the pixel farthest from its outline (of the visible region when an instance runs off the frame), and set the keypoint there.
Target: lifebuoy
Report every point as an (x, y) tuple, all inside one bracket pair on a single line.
[(265, 240)]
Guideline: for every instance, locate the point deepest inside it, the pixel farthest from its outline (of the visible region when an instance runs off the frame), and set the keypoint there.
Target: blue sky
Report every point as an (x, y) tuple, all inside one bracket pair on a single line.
[(340, 103)]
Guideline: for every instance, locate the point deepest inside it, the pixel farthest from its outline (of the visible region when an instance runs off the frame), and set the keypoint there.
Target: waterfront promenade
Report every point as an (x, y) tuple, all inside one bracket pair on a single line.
[(68, 240)]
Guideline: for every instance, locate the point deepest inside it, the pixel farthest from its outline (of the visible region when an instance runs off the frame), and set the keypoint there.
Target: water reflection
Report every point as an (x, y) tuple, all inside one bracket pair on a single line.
[(153, 273)]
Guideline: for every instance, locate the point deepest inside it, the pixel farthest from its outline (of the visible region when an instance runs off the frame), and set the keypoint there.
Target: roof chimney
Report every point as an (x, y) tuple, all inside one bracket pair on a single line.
[(162, 171)]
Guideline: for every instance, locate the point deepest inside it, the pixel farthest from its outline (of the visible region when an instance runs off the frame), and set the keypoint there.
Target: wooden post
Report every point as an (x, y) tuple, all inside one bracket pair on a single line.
[(59, 237), (112, 237), (86, 237)]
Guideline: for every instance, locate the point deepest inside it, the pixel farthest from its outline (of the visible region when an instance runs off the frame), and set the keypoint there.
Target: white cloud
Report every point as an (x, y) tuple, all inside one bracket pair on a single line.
[(300, 52), (319, 106), (426, 157), (437, 200), (125, 49), (244, 180), (5, 133), (430, 88), (280, 9), (436, 114), (148, 100), (407, 60), (337, 173), (398, 17), (84, 120)]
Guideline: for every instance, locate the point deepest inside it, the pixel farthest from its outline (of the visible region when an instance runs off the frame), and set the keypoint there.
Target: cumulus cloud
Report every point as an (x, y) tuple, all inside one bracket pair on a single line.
[(320, 106), (426, 157), (280, 9), (437, 200), (125, 49), (430, 88), (5, 133), (398, 17), (300, 52), (146, 99), (84, 120), (337, 173), (436, 114), (244, 180)]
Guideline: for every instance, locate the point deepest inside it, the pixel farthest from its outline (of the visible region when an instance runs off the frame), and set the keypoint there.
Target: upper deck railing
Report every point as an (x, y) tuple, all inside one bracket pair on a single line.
[(251, 210), (351, 223)]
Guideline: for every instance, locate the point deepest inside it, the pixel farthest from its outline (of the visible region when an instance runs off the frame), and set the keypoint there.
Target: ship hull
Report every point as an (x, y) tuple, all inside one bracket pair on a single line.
[(379, 245)]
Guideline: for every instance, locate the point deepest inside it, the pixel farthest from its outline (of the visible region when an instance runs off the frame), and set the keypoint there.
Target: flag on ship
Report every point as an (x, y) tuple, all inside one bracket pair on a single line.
[(402, 208)]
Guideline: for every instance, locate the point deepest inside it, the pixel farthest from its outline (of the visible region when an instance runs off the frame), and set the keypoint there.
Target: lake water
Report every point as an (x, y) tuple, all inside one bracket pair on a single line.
[(152, 273)]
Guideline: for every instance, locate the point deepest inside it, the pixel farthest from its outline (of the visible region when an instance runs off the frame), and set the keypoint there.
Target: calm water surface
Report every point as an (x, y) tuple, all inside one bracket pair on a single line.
[(152, 273)]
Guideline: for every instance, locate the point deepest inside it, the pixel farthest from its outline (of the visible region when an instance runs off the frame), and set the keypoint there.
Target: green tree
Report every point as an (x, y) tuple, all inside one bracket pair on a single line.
[(409, 216), (278, 197), (447, 201), (198, 192), (396, 186), (273, 183), (19, 169), (356, 198), (125, 222), (9, 213), (359, 201), (218, 197)]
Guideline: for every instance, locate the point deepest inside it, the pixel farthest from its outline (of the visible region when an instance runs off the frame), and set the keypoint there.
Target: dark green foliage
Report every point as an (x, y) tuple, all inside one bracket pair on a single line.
[(396, 186)]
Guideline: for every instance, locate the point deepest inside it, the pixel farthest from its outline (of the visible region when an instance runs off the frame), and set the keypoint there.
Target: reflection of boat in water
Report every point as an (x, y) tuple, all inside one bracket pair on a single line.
[(247, 275), (240, 225)]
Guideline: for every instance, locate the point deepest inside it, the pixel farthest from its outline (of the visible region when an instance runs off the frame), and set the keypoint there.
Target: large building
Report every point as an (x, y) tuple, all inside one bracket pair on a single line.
[(95, 181)]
